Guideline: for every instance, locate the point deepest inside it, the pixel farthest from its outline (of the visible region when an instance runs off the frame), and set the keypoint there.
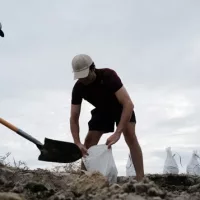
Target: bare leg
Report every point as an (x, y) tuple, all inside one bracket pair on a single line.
[(91, 139), (135, 150)]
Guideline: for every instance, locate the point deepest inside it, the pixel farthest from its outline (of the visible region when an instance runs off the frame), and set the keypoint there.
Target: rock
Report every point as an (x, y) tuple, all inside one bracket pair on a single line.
[(128, 187), (194, 188), (115, 186), (156, 198), (180, 187), (18, 189), (181, 198), (62, 195), (49, 193), (141, 188), (9, 196), (198, 180), (195, 196), (9, 184), (6, 171), (146, 180), (153, 192), (2, 180), (35, 187), (134, 197), (6, 174), (123, 196), (156, 192), (123, 179), (190, 181)]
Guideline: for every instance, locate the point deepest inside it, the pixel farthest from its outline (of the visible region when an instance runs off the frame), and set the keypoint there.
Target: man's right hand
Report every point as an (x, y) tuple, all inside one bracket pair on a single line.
[(83, 149)]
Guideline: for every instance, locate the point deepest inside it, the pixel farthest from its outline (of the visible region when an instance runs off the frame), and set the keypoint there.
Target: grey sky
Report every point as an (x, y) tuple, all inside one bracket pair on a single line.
[(153, 45)]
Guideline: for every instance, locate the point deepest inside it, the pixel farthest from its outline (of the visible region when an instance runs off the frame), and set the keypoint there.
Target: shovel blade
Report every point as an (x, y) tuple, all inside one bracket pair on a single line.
[(59, 151)]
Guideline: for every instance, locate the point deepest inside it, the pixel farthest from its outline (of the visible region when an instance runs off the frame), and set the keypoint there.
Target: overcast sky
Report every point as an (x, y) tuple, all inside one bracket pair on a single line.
[(154, 46)]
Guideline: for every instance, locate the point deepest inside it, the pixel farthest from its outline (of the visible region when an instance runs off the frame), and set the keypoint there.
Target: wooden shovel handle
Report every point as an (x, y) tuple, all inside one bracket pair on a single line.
[(20, 132), (9, 125)]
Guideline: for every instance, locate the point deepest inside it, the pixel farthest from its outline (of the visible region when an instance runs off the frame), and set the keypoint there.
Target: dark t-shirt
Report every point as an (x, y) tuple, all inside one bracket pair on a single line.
[(100, 93)]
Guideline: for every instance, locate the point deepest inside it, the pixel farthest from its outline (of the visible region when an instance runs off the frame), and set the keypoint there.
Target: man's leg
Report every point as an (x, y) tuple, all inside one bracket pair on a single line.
[(135, 150), (91, 139)]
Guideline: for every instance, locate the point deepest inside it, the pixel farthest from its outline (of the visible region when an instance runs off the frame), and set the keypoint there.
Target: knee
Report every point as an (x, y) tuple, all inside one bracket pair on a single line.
[(92, 138), (130, 138)]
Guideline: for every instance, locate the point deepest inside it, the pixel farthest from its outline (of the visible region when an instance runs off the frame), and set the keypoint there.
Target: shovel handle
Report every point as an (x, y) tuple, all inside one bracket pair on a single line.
[(8, 125), (20, 132)]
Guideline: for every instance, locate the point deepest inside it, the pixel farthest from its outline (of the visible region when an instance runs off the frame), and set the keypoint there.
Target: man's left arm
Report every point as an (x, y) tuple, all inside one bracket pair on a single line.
[(125, 100), (127, 104), (116, 87)]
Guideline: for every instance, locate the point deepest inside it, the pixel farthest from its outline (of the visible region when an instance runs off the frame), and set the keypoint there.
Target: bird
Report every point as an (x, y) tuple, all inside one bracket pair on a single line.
[(1, 32)]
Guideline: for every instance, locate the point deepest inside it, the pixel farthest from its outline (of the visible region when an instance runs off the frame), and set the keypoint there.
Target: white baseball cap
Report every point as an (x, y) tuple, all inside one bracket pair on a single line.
[(81, 65)]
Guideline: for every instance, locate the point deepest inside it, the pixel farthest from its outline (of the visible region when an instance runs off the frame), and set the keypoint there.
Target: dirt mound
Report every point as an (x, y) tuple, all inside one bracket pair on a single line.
[(22, 184)]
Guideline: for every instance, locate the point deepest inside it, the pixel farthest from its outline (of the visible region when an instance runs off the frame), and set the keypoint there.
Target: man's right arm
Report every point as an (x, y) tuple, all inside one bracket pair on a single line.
[(74, 122)]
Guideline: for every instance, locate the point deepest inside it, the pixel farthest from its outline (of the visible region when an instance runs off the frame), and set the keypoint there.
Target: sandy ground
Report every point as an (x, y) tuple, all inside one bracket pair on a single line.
[(21, 184)]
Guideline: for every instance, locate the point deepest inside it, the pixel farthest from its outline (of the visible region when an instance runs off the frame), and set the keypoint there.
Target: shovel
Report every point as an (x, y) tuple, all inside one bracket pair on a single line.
[(1, 32), (52, 150)]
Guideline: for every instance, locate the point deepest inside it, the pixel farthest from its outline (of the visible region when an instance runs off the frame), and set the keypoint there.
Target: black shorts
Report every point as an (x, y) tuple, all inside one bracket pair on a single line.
[(105, 122)]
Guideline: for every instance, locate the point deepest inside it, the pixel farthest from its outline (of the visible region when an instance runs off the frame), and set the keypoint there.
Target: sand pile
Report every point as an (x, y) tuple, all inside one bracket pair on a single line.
[(22, 184)]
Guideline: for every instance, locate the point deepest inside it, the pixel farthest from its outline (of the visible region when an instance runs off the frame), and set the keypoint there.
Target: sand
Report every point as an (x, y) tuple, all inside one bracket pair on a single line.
[(22, 184)]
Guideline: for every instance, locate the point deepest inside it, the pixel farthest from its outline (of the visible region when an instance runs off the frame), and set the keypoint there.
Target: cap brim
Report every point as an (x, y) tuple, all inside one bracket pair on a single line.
[(81, 74), (1, 33)]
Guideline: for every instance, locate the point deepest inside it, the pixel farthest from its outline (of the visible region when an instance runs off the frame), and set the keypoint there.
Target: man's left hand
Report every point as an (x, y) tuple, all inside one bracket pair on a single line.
[(113, 139)]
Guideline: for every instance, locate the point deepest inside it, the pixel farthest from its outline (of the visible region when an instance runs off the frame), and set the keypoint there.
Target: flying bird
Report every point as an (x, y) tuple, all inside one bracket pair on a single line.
[(1, 32)]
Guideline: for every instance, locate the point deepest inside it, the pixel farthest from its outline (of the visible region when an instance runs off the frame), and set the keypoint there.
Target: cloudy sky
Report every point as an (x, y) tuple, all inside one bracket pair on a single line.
[(154, 46)]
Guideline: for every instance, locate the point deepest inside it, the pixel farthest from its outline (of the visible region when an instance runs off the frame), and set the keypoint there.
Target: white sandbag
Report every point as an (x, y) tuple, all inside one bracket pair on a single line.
[(130, 169), (170, 165), (101, 159), (193, 166)]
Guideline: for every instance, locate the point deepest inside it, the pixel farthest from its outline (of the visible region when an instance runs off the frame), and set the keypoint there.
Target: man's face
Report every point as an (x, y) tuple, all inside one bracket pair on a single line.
[(89, 79)]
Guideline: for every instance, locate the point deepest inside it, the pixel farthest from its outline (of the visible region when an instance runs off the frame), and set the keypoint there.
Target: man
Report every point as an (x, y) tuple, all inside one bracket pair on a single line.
[(104, 90)]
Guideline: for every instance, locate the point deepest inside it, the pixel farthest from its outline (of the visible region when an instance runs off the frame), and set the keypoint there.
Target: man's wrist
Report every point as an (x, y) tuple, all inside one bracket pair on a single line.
[(118, 132)]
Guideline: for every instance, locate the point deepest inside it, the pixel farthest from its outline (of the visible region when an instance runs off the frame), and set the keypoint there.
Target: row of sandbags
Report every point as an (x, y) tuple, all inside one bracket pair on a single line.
[(170, 164)]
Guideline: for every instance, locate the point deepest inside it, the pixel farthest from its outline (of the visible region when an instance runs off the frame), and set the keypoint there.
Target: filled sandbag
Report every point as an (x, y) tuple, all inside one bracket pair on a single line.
[(101, 159), (193, 167), (170, 165), (130, 169)]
